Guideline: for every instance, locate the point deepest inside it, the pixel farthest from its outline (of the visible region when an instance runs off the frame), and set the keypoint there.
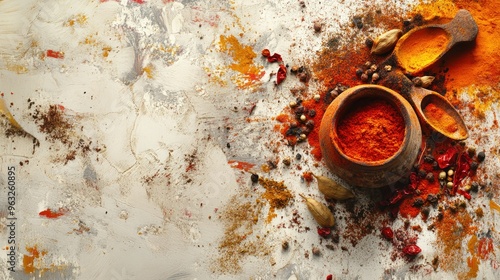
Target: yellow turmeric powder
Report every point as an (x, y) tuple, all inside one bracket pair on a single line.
[(422, 48), (243, 57), (473, 64)]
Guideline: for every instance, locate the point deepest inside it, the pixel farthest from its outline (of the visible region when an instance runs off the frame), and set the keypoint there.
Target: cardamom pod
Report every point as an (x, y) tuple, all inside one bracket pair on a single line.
[(320, 212), (386, 42), (424, 81), (332, 189)]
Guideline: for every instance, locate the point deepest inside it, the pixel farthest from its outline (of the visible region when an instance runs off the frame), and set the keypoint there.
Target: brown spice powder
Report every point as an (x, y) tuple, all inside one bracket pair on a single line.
[(277, 194), (240, 219), (54, 124)]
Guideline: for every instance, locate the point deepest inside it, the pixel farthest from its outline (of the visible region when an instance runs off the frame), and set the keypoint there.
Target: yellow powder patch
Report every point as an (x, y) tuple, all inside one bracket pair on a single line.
[(79, 19), (243, 61), (149, 71), (105, 51), (19, 69)]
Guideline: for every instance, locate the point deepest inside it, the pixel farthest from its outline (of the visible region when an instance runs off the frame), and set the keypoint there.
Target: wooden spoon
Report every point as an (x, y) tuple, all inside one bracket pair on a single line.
[(434, 41), (431, 107)]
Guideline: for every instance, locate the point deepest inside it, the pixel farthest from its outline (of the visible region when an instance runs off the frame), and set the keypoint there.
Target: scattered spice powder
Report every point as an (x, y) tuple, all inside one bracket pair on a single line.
[(29, 260), (374, 130), (54, 123), (451, 230), (246, 166), (240, 218), (277, 194), (422, 48), (243, 63)]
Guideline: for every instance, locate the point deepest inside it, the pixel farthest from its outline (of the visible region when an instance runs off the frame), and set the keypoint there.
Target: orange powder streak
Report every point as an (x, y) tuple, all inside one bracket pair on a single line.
[(29, 260), (246, 166), (243, 57), (494, 205)]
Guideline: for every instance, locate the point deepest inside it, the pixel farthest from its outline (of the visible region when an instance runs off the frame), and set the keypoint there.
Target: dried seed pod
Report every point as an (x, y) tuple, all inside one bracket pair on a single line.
[(424, 81), (386, 42), (320, 212), (427, 81), (417, 81), (332, 189)]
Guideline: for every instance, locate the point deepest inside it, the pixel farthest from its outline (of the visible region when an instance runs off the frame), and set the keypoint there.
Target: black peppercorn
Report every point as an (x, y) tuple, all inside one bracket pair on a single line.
[(481, 156), (418, 202), (430, 177), (254, 177), (312, 113), (422, 173), (369, 42), (298, 156), (428, 159), (473, 166), (474, 187)]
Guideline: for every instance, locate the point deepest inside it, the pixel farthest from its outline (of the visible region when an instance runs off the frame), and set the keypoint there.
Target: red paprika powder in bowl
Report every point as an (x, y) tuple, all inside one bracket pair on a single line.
[(370, 136)]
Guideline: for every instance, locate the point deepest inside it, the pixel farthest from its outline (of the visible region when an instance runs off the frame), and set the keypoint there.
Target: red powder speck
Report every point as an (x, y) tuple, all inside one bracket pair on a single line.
[(241, 165), (308, 176), (50, 214)]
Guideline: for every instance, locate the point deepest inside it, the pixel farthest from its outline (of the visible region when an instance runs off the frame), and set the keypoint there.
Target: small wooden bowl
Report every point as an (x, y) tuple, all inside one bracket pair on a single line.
[(371, 174)]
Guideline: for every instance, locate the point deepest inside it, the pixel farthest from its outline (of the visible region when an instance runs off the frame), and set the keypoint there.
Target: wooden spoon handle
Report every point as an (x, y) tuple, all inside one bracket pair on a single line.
[(462, 28)]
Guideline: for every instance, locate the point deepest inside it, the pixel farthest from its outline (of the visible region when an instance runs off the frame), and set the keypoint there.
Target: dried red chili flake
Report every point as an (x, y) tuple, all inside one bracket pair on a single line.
[(55, 54), (464, 193), (448, 158), (329, 277), (274, 58), (413, 183), (412, 250), (387, 233), (281, 76), (324, 231), (266, 53), (462, 170)]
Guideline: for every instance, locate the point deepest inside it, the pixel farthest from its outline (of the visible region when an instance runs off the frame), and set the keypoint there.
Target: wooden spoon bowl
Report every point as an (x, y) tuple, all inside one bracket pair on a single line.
[(420, 48)]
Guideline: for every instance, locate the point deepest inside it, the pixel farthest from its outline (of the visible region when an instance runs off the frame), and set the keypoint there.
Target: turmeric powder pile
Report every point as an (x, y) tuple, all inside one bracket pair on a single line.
[(421, 48)]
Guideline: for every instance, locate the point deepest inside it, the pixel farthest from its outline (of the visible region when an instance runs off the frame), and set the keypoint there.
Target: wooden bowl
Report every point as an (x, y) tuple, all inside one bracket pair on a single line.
[(373, 173)]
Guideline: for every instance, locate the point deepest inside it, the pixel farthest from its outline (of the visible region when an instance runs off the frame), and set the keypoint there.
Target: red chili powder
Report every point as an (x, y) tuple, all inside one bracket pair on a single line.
[(313, 137), (439, 117), (374, 130)]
